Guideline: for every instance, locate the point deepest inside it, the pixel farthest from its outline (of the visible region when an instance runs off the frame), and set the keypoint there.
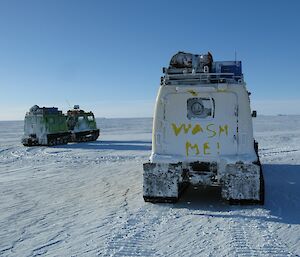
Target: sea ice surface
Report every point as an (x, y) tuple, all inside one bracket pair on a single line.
[(85, 199)]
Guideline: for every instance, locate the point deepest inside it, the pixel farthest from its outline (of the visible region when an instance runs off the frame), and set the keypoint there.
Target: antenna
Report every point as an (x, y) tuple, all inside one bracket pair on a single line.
[(235, 54), (68, 104)]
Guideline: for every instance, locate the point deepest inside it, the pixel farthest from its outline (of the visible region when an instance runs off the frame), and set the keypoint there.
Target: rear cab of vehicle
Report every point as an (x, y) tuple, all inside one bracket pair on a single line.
[(202, 131), (45, 126)]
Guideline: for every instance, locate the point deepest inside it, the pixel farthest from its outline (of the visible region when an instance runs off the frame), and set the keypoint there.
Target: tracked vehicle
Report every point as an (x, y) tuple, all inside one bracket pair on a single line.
[(202, 133), (45, 126), (82, 125)]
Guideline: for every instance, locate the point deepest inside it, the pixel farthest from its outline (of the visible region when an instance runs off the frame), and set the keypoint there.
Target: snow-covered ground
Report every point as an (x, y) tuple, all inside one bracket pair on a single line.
[(86, 199)]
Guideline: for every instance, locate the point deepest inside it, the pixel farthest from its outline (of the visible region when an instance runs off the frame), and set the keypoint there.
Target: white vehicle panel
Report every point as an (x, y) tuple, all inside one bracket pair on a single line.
[(203, 137)]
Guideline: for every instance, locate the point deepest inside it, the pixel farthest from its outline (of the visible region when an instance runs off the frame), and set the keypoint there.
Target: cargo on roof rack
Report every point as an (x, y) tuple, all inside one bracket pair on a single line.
[(186, 68)]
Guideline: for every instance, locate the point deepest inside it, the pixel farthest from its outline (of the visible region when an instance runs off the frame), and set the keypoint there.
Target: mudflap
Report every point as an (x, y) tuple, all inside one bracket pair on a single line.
[(162, 182), (243, 184)]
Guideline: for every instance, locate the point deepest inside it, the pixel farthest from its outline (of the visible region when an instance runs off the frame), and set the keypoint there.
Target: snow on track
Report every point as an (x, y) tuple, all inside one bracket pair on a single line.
[(86, 199)]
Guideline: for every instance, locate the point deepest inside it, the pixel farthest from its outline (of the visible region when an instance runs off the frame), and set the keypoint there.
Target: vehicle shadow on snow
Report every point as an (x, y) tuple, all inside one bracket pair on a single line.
[(110, 145), (282, 197)]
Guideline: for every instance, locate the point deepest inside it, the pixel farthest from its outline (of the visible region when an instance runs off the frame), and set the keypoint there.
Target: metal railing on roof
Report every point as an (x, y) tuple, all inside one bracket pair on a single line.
[(186, 77)]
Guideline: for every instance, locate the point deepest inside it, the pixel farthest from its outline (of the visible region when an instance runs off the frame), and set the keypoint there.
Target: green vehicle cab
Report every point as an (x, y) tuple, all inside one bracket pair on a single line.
[(82, 125)]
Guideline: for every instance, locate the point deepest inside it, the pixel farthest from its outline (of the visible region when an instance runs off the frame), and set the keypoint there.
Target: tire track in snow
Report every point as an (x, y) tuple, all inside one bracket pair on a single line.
[(133, 239), (23, 234), (5, 149), (136, 236), (59, 237), (254, 239), (28, 168), (43, 249)]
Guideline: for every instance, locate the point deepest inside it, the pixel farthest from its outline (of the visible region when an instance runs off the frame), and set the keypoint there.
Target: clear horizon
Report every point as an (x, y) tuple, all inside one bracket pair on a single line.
[(258, 115)]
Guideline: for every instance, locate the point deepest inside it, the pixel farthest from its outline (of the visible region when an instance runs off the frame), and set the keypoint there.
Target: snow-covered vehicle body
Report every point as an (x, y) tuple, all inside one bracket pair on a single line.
[(82, 125), (45, 126), (202, 133)]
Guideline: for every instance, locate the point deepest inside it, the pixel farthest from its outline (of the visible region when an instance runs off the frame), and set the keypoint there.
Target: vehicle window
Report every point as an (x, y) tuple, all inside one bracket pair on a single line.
[(90, 118), (198, 107)]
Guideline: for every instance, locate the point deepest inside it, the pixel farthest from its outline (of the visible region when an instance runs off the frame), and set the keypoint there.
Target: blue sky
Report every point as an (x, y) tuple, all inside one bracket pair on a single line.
[(107, 55)]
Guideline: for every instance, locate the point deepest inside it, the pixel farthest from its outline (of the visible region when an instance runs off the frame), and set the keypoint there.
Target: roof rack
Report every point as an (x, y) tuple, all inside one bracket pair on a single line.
[(219, 72), (44, 110), (201, 78)]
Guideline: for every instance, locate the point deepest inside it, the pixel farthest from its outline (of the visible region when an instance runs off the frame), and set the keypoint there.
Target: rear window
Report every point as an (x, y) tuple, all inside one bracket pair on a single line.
[(200, 108)]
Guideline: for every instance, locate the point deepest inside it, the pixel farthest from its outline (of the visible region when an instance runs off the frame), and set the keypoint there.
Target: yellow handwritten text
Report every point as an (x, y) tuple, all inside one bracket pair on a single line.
[(197, 128), (177, 130), (206, 147), (194, 149), (193, 92), (212, 131), (223, 129), (189, 146), (210, 128)]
